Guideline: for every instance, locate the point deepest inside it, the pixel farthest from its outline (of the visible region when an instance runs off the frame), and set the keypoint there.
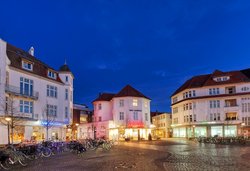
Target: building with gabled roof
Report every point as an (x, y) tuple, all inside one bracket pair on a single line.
[(37, 91), (216, 104), (118, 116)]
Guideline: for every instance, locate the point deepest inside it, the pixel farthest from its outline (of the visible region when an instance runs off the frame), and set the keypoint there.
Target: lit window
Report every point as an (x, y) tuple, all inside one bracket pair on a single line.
[(146, 104), (135, 102), (27, 65)]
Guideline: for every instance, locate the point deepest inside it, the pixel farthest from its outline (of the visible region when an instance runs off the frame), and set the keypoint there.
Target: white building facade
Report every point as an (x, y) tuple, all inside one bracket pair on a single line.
[(162, 125), (37, 91), (119, 116), (216, 104)]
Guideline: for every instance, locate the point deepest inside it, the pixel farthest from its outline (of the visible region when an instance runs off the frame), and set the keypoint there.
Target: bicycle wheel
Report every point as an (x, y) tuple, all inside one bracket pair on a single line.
[(46, 152), (5, 165), (22, 160)]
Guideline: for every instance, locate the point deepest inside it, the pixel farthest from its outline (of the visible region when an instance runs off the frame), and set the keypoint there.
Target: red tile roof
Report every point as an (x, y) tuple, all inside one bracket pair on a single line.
[(16, 56), (104, 97), (127, 91), (208, 80)]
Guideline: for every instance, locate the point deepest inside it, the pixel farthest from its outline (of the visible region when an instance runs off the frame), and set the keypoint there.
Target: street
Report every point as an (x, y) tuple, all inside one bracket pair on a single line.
[(174, 154)]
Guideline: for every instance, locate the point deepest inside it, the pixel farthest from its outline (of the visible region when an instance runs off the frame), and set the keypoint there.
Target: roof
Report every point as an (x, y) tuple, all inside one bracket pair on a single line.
[(65, 68), (16, 56), (104, 97), (208, 80), (129, 91)]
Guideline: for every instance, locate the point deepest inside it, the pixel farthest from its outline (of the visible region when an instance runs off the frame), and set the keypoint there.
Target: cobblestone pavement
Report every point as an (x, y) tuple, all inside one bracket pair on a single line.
[(169, 155)]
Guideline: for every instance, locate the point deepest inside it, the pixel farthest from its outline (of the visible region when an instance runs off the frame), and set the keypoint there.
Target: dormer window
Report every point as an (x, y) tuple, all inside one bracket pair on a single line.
[(27, 65), (219, 79), (51, 74)]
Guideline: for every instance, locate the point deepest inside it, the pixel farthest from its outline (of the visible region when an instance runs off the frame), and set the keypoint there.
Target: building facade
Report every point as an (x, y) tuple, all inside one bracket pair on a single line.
[(81, 115), (38, 96), (162, 126), (119, 116), (216, 104)]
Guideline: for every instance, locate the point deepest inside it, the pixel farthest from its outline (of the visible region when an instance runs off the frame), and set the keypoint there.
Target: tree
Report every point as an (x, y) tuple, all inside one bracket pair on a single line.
[(49, 115), (11, 115)]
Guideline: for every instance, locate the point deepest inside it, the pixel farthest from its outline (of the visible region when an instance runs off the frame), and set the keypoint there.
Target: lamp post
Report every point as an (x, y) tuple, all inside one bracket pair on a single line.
[(8, 119)]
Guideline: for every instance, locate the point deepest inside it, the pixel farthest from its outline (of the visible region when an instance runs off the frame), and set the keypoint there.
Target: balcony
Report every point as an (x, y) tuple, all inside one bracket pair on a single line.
[(17, 92), (231, 108)]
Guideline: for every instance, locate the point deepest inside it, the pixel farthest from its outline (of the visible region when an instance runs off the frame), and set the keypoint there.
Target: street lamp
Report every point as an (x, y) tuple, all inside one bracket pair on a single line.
[(8, 119)]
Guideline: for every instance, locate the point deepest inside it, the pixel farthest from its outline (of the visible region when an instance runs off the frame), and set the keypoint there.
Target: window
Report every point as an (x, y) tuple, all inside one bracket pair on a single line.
[(214, 91), (51, 110), (190, 94), (66, 112), (194, 94), (66, 94), (26, 106), (175, 110), (51, 91), (51, 74), (244, 88), (146, 104), (175, 99), (191, 118), (71, 95), (190, 106), (66, 79), (121, 103), (121, 115), (135, 102), (135, 115), (27, 65), (175, 121), (100, 118), (219, 79), (146, 117), (214, 103), (26, 86), (218, 116), (100, 106), (194, 117), (245, 107), (230, 103), (211, 116), (230, 90)]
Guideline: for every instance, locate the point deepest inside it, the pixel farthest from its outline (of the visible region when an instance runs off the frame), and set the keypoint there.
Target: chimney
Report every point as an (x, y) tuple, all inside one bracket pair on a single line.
[(32, 51)]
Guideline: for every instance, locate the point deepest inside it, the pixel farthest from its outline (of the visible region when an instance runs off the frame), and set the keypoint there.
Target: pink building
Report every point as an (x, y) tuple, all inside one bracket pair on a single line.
[(118, 116)]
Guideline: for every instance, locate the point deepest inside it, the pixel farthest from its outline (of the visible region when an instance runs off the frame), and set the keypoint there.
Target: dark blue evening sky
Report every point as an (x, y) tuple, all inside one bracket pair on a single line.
[(153, 45)]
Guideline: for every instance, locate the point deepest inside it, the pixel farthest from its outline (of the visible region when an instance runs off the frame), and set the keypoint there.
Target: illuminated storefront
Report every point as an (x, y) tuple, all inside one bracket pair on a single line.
[(207, 131)]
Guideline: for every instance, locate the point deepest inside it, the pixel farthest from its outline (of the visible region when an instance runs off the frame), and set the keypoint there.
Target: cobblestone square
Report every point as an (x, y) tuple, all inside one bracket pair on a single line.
[(161, 155)]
